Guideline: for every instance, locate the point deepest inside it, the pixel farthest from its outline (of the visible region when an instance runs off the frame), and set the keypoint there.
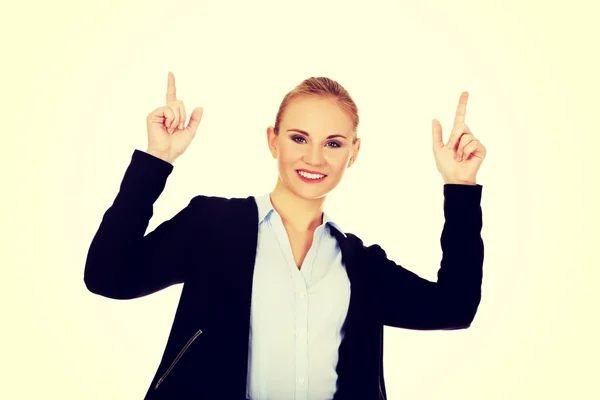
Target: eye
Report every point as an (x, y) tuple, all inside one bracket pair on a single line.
[(297, 137), (303, 140)]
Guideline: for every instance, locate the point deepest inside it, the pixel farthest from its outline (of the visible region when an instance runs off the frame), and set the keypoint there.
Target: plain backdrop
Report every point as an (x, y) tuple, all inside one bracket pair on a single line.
[(80, 77)]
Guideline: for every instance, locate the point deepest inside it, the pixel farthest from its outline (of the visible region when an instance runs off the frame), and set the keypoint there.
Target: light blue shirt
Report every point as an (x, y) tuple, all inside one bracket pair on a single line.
[(296, 314)]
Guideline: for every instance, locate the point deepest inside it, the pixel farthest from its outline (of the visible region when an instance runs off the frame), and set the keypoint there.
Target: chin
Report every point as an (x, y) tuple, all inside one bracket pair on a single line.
[(311, 195), (308, 190)]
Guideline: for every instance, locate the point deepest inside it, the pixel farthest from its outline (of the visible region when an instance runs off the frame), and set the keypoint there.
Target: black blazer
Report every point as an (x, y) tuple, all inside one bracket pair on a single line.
[(210, 247)]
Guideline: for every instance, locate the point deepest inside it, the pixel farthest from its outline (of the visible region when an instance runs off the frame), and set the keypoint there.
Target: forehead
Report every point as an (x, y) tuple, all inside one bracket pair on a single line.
[(316, 115)]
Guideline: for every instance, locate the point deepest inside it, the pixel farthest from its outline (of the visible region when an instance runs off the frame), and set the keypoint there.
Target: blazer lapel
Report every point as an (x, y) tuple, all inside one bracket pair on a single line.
[(352, 355), (241, 227), (350, 259)]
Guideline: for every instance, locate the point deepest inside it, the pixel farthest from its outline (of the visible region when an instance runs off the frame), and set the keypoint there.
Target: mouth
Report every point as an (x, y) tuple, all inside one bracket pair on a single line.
[(310, 177)]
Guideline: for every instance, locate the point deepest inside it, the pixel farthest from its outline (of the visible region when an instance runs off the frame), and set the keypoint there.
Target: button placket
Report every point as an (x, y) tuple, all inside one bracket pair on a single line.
[(301, 348)]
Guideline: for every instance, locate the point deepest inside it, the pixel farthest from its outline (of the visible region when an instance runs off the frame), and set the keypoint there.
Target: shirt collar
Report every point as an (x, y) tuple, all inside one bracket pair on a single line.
[(265, 208)]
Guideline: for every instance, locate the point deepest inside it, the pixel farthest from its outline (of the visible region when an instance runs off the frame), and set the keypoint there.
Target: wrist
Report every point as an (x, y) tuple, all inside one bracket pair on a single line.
[(163, 155), (459, 182)]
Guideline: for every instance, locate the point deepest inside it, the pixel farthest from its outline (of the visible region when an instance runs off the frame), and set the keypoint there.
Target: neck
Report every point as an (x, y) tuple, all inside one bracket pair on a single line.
[(298, 213)]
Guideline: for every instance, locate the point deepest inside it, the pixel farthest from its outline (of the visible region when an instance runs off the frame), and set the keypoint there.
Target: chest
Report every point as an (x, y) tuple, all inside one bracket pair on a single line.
[(298, 282), (288, 260), (300, 243), (300, 299)]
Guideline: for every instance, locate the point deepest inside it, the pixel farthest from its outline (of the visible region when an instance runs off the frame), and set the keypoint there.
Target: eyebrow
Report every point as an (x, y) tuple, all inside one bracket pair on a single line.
[(306, 133)]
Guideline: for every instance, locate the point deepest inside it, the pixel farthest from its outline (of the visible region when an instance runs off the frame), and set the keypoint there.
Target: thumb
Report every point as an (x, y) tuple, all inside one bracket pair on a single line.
[(195, 119), (436, 128)]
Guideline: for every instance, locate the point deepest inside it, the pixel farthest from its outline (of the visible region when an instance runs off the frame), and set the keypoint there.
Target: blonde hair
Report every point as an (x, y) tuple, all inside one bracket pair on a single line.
[(325, 88)]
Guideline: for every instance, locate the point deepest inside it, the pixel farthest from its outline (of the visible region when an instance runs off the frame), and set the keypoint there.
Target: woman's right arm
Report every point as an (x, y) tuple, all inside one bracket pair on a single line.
[(122, 263)]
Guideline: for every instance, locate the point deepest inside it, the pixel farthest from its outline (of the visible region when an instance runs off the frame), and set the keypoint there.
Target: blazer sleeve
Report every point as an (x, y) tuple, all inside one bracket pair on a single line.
[(409, 301), (121, 262)]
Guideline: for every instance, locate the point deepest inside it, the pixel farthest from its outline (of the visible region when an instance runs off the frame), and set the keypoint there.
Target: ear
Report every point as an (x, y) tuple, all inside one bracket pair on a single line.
[(354, 154), (271, 141)]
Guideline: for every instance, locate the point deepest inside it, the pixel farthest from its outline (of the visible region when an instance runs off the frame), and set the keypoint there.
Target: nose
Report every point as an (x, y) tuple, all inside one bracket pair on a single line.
[(314, 155)]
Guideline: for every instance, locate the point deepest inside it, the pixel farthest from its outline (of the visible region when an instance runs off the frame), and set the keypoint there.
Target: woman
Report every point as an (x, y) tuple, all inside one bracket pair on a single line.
[(278, 302)]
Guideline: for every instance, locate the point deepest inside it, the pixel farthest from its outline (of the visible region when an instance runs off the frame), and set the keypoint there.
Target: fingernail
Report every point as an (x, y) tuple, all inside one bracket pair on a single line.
[(450, 144), (457, 157), (180, 126), (170, 130)]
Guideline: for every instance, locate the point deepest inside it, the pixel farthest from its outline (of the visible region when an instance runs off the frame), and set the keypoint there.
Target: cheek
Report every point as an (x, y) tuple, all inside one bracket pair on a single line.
[(338, 161), (288, 154)]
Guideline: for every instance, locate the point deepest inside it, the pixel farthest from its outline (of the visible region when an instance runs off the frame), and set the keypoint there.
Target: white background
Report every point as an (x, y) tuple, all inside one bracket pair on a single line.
[(79, 78)]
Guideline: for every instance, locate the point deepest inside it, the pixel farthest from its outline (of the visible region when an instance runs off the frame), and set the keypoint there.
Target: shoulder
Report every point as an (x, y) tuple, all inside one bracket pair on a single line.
[(222, 208), (367, 252), (220, 202)]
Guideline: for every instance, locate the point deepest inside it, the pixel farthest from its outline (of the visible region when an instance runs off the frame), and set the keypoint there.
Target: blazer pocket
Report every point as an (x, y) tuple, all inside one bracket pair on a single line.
[(181, 352)]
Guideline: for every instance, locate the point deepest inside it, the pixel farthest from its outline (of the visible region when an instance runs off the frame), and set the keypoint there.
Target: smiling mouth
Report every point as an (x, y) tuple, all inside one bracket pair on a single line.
[(307, 177)]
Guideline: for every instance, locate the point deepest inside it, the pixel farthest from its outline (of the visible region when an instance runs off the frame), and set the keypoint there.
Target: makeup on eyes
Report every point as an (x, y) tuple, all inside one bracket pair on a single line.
[(337, 143), (305, 134)]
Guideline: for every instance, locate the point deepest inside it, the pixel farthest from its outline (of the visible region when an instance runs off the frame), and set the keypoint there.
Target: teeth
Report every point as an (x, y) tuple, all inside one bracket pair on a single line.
[(310, 176)]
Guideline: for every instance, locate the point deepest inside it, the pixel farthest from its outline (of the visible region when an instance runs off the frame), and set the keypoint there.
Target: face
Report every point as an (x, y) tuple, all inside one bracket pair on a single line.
[(315, 137)]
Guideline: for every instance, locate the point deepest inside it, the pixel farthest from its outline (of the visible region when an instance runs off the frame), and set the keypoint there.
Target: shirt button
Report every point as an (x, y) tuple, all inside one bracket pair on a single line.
[(301, 381)]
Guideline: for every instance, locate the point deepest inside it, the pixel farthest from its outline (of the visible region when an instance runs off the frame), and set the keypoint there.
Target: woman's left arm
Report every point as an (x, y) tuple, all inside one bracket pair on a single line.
[(450, 303), (409, 301)]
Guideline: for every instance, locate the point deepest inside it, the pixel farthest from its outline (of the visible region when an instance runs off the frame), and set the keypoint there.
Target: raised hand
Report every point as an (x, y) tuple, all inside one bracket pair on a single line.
[(459, 160), (168, 135)]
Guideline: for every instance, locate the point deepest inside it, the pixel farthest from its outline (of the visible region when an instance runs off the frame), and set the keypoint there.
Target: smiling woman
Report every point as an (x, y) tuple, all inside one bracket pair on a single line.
[(314, 141), (315, 101), (280, 302)]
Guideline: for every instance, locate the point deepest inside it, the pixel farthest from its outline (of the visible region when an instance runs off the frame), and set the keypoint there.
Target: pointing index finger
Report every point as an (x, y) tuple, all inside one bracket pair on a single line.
[(171, 92), (461, 110)]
